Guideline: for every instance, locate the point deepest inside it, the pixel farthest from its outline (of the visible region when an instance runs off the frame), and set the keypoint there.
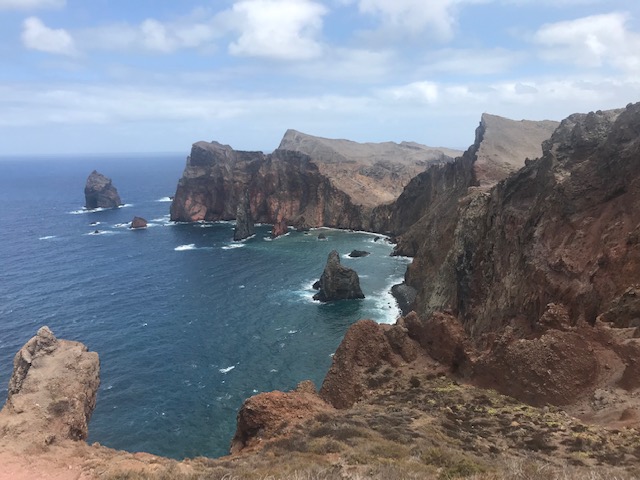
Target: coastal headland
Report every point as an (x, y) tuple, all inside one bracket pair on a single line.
[(518, 355)]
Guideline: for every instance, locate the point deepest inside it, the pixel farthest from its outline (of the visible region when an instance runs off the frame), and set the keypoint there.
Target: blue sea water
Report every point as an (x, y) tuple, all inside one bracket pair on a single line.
[(187, 323)]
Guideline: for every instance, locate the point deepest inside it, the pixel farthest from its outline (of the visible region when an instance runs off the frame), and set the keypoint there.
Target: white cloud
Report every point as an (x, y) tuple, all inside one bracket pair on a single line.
[(594, 41), (277, 29), (470, 62), (151, 35), (31, 4), (413, 16), (37, 36), (416, 92)]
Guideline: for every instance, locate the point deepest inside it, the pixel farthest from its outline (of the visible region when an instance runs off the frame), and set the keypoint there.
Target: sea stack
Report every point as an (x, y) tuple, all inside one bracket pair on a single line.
[(244, 221), (138, 222), (100, 193), (337, 281), (279, 228)]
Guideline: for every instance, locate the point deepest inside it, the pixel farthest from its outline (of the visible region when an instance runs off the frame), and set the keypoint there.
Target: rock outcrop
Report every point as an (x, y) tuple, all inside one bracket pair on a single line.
[(272, 414), (100, 193), (359, 253), (337, 281), (425, 214), (52, 391), (561, 230), (138, 222), (280, 227), (525, 273), (245, 227), (308, 181)]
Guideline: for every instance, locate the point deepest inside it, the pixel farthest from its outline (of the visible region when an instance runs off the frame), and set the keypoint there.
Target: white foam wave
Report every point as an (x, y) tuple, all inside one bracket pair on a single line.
[(386, 303), (163, 219), (48, 237), (126, 205), (227, 370), (102, 232), (280, 236), (182, 248), (291, 332), (164, 199), (231, 246), (87, 210), (121, 225)]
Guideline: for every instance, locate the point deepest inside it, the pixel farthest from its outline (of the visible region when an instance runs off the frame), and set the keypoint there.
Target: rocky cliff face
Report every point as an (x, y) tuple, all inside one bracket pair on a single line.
[(99, 192), (562, 230), (370, 173), (307, 182), (244, 222), (282, 185), (52, 391), (429, 203)]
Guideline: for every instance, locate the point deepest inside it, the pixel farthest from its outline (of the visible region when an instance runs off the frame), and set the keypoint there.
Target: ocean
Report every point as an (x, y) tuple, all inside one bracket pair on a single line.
[(187, 323)]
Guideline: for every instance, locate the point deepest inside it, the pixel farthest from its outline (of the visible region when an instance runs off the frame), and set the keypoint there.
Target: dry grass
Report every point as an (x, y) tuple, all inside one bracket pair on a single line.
[(432, 429)]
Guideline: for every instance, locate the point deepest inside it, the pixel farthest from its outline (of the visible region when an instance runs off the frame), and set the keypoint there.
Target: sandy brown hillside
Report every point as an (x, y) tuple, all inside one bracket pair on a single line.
[(371, 173)]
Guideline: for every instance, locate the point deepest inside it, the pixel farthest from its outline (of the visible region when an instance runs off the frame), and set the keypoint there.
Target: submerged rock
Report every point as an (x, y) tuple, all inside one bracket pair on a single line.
[(138, 222), (359, 253), (337, 282), (100, 193)]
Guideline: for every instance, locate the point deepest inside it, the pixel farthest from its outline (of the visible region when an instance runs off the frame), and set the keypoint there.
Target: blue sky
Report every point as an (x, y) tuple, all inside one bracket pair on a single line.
[(100, 76)]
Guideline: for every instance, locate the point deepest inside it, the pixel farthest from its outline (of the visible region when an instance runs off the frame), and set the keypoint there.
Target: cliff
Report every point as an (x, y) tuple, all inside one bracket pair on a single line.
[(307, 182), (429, 202), (52, 391)]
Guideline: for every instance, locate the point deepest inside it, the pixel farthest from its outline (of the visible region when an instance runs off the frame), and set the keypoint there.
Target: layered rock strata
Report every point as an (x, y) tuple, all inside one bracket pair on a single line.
[(337, 281), (99, 192), (308, 181)]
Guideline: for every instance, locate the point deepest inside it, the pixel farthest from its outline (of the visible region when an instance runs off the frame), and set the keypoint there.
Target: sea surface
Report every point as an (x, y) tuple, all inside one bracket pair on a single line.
[(187, 322)]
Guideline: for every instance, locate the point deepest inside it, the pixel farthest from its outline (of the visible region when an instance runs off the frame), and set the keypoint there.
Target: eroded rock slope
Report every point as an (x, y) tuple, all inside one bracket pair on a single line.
[(307, 182)]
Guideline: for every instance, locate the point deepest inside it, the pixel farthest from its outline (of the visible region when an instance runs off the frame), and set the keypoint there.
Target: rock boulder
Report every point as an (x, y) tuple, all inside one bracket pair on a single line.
[(138, 222)]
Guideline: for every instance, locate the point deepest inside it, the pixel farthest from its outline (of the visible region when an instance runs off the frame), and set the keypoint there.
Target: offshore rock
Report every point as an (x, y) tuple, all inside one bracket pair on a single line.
[(359, 253), (100, 193), (337, 281), (52, 391), (244, 222), (138, 222)]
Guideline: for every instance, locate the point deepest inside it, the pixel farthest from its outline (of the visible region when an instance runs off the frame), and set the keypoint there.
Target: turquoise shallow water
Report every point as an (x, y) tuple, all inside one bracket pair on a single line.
[(186, 322)]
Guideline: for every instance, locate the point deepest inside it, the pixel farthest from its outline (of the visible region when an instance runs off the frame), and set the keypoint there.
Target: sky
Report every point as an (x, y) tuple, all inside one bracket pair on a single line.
[(107, 76)]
